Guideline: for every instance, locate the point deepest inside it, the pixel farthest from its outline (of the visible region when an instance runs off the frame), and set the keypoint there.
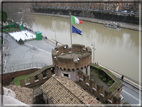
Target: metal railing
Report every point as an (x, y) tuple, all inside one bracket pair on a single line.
[(20, 67)]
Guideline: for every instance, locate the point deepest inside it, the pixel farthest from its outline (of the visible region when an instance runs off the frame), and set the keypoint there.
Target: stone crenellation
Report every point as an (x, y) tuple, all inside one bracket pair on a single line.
[(80, 58), (39, 80), (98, 90)]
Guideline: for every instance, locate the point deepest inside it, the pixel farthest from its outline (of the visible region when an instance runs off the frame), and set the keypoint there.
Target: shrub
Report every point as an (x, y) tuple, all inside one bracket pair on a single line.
[(20, 40), (100, 76), (104, 79), (110, 82), (97, 71), (93, 73), (5, 31)]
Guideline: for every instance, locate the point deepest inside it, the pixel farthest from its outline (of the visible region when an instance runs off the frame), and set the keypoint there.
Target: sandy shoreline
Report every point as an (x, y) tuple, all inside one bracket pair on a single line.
[(99, 21)]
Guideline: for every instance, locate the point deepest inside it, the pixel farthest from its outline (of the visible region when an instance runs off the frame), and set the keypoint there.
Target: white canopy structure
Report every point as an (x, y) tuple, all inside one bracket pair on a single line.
[(24, 35)]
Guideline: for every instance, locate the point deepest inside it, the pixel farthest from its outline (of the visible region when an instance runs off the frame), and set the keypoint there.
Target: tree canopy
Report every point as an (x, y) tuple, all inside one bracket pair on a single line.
[(4, 16)]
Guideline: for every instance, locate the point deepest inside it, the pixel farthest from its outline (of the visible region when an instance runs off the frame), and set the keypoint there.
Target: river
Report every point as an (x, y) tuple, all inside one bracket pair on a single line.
[(115, 49)]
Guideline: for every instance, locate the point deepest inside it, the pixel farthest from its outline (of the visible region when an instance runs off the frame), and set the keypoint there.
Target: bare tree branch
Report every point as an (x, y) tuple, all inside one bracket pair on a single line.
[(19, 12)]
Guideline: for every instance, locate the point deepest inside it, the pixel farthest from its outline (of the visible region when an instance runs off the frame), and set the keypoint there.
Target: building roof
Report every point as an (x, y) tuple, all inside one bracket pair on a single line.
[(62, 90), (23, 94)]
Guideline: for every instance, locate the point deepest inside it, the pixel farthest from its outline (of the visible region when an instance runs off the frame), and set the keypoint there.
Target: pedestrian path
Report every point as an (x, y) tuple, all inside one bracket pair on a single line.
[(31, 46), (51, 41), (15, 54)]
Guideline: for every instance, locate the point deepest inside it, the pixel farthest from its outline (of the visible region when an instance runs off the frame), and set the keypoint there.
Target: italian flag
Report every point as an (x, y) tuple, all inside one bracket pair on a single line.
[(75, 20)]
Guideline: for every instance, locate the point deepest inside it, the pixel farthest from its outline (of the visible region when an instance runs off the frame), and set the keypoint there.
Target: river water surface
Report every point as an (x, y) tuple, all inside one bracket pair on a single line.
[(115, 49)]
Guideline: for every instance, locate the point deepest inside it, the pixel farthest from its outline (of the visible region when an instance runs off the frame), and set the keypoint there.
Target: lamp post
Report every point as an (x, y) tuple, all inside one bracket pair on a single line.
[(93, 47), (55, 36)]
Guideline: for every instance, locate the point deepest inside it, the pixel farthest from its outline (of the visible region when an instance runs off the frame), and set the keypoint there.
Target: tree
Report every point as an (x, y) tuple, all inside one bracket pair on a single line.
[(4, 16), (19, 12)]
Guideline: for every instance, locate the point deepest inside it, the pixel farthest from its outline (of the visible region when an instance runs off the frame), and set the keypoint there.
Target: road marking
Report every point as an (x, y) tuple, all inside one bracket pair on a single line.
[(131, 96), (37, 48)]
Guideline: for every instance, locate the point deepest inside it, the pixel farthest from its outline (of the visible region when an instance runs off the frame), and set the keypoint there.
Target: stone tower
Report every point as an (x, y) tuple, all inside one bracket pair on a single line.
[(67, 64)]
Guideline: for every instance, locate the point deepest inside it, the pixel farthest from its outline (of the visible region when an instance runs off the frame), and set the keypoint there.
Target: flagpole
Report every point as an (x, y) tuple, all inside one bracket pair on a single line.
[(71, 34)]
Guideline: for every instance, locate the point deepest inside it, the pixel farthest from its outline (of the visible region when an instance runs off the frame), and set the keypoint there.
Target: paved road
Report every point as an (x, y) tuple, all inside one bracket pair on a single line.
[(31, 51), (130, 96)]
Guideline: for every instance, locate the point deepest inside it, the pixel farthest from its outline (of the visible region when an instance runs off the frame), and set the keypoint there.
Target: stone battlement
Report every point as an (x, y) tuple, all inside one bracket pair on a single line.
[(80, 58), (98, 89)]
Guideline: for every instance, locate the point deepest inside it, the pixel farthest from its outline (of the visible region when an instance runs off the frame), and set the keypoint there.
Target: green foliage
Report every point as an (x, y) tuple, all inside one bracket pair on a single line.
[(5, 31), (101, 77), (85, 76), (91, 69), (109, 73), (97, 71), (93, 73), (104, 79), (12, 29), (80, 72), (17, 79), (44, 74), (110, 82), (100, 67), (4, 16), (20, 40), (36, 77)]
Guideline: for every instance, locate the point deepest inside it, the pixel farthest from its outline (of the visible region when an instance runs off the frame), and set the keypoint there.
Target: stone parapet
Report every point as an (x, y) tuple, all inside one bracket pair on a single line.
[(80, 58), (98, 90)]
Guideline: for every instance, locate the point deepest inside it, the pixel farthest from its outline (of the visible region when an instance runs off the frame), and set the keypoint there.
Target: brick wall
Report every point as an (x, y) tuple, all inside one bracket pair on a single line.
[(8, 77)]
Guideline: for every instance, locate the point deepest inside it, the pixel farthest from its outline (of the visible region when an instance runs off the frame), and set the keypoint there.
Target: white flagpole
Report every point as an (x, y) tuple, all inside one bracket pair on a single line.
[(71, 34)]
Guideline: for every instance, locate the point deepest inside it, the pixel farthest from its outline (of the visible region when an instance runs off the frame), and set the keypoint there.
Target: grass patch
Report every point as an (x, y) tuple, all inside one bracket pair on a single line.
[(100, 67), (109, 73), (17, 79)]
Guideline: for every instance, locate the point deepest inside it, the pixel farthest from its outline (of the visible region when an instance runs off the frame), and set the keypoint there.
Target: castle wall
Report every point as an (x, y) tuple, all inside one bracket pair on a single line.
[(8, 77), (73, 75), (98, 90)]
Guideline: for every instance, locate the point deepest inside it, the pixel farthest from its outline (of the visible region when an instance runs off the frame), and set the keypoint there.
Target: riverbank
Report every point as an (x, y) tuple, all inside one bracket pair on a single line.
[(99, 21)]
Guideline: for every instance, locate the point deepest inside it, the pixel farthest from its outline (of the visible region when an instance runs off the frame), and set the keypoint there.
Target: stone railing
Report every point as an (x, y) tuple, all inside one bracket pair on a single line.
[(98, 90)]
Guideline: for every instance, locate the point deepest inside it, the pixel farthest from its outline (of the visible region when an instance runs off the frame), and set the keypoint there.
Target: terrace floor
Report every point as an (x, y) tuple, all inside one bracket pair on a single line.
[(99, 81), (68, 55)]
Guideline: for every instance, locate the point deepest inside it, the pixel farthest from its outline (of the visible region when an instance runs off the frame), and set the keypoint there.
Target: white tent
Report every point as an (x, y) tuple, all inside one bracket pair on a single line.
[(24, 35)]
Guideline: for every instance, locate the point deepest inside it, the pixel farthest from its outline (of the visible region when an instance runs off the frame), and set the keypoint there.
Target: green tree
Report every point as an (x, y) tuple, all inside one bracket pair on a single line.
[(4, 16)]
